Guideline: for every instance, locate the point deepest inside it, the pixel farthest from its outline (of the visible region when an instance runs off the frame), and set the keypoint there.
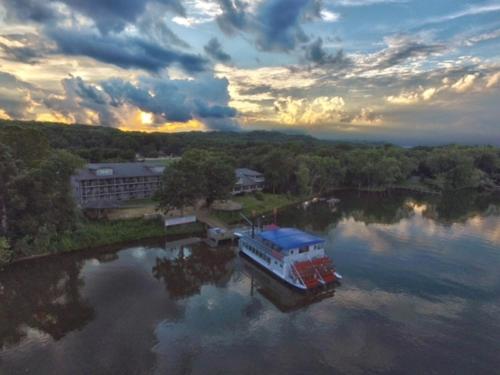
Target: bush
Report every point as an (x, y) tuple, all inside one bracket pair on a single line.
[(259, 196), (5, 251)]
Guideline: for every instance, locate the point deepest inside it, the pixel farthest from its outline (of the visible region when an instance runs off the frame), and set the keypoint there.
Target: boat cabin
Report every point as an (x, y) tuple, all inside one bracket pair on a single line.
[(291, 241)]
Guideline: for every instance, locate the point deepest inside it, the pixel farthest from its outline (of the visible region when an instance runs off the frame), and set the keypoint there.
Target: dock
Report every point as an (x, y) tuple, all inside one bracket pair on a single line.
[(217, 231)]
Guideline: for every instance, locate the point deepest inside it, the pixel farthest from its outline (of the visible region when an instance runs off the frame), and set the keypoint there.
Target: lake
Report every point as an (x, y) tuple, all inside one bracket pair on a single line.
[(420, 294)]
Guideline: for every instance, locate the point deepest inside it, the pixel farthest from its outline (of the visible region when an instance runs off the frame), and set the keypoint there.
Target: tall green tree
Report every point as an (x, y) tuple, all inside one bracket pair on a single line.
[(279, 166), (198, 175), (8, 173)]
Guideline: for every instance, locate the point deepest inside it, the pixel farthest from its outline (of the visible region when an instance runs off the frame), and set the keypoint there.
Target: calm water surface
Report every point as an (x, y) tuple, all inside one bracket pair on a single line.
[(421, 294)]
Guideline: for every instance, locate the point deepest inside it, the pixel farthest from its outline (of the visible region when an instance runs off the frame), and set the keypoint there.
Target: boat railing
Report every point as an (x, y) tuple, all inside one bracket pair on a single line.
[(264, 248)]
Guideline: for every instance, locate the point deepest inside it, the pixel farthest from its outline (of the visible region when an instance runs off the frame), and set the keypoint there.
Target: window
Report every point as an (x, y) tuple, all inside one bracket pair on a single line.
[(104, 172)]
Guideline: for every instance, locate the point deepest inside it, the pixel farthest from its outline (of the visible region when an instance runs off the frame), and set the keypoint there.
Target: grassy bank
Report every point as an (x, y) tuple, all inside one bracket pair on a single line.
[(257, 204), (101, 233)]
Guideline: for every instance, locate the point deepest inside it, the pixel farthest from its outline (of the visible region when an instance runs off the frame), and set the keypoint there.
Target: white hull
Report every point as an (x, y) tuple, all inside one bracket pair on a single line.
[(279, 272), (293, 256)]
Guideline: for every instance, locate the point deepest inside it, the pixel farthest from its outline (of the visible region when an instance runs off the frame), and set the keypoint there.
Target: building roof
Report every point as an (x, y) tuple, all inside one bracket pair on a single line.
[(247, 172), (120, 170), (290, 238), (247, 177)]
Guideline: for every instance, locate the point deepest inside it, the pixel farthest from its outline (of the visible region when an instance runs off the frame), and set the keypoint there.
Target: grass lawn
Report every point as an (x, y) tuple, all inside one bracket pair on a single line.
[(107, 232), (139, 203), (253, 205)]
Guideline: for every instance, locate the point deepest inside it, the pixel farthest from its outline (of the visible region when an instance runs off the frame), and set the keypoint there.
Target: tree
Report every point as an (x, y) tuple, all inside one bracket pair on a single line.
[(303, 179), (40, 203), (28, 146), (8, 172), (462, 175), (278, 167), (219, 178), (5, 252), (198, 175)]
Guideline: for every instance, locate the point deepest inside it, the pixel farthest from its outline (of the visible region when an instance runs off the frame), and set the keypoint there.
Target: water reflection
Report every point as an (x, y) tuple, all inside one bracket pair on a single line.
[(385, 208), (42, 296), (186, 269), (421, 291), (279, 294)]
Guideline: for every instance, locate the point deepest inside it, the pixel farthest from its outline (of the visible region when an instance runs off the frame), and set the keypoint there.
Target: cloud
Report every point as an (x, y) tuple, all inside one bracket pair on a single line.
[(359, 3), (401, 48), (315, 53), (215, 51), (82, 103), (114, 15), (321, 110), (198, 12), (366, 116), (276, 24), (471, 10), (413, 97), (15, 96), (156, 30), (108, 15), (123, 51), (329, 16), (30, 10), (492, 80), (465, 83), (233, 16), (115, 102), (205, 99), (483, 37), (26, 48), (309, 112)]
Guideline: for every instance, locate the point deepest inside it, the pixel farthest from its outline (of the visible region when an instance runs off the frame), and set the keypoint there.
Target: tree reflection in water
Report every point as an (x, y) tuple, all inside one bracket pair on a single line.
[(42, 295), (191, 268), (388, 208)]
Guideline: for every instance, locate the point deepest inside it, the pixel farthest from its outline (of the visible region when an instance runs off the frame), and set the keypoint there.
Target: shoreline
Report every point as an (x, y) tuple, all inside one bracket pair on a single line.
[(157, 231)]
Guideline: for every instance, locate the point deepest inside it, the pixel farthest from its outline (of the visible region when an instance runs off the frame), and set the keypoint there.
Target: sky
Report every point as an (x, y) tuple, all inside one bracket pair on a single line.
[(403, 71)]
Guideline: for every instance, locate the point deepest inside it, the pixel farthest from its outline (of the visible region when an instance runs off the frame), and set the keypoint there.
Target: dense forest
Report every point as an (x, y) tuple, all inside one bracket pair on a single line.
[(37, 159)]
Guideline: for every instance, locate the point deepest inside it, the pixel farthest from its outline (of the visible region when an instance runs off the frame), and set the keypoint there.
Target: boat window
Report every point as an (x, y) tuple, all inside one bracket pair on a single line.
[(303, 249)]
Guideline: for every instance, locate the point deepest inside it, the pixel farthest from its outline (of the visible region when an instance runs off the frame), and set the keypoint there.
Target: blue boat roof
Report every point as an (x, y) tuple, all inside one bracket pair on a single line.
[(290, 238)]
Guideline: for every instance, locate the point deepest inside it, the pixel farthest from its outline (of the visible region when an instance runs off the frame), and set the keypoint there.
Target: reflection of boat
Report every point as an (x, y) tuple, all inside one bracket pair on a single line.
[(294, 256), (284, 297)]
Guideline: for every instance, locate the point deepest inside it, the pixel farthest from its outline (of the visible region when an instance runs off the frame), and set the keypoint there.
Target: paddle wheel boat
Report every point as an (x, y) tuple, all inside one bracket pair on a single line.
[(296, 257)]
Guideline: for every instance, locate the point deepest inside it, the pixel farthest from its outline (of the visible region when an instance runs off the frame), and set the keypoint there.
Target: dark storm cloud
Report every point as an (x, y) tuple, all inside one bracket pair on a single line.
[(175, 100), (215, 51), (108, 15), (79, 97), (125, 52), (316, 54), (166, 101), (276, 25), (213, 111), (233, 17), (114, 15), (30, 10)]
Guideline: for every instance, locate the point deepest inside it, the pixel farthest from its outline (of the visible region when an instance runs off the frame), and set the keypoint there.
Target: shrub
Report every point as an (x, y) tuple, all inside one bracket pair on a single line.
[(5, 251), (259, 196)]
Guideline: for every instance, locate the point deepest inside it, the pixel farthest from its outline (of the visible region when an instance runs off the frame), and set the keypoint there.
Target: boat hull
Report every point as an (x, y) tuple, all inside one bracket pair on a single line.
[(247, 254)]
